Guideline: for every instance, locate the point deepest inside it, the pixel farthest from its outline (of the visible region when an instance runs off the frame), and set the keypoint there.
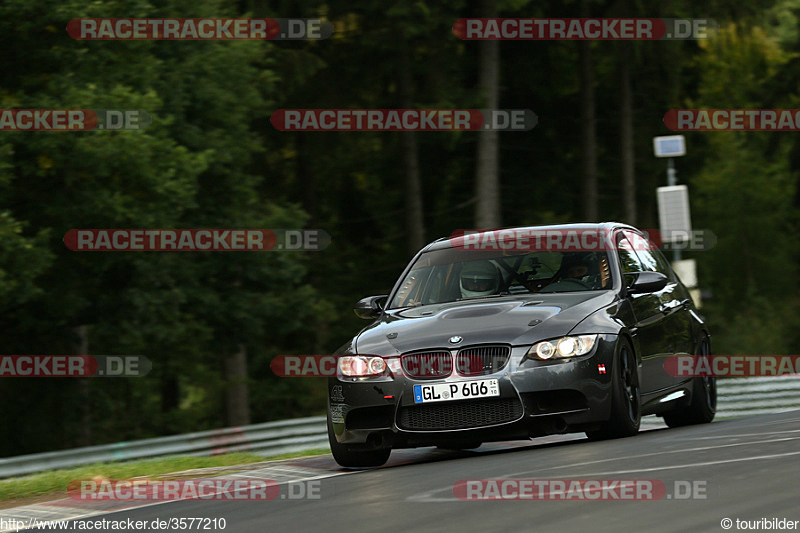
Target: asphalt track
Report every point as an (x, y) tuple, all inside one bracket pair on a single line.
[(748, 467)]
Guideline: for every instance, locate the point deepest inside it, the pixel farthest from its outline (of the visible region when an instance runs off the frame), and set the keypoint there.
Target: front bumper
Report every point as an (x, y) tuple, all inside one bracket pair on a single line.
[(536, 398)]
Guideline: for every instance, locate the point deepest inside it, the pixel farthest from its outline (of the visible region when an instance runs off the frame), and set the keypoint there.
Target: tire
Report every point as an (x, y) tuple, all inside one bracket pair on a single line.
[(626, 397), (704, 399), (351, 456)]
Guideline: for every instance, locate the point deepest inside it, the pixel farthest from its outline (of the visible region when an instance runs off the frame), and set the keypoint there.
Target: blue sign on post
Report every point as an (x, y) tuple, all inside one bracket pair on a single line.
[(669, 146)]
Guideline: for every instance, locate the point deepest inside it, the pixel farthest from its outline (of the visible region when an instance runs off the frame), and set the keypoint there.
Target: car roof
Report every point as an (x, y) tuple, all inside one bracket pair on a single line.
[(446, 242)]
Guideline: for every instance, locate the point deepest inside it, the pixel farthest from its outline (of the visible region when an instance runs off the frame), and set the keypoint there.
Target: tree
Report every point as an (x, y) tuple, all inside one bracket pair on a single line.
[(626, 133), (588, 134), (487, 169)]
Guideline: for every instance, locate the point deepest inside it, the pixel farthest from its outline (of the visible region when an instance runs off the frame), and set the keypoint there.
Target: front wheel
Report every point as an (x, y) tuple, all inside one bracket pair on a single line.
[(351, 456), (626, 399), (704, 399)]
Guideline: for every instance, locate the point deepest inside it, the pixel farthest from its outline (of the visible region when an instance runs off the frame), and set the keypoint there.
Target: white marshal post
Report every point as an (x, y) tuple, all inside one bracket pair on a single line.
[(673, 211), (673, 200)]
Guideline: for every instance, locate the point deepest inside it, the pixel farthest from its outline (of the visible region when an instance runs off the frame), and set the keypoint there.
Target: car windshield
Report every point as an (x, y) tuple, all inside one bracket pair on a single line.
[(449, 275)]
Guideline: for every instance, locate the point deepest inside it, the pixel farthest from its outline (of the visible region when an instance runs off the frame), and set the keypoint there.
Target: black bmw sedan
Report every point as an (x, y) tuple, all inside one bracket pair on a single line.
[(515, 334)]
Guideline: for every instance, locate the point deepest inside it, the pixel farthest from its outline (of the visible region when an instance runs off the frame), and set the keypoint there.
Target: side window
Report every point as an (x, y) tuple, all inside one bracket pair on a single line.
[(433, 287), (651, 258), (409, 293), (663, 265), (627, 256)]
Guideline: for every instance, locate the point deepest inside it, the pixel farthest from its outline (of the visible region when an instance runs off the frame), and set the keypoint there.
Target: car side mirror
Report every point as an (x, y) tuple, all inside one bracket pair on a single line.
[(647, 282), (370, 307)]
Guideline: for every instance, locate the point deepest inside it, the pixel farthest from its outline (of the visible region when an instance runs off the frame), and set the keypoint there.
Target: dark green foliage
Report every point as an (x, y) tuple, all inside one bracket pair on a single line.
[(211, 159)]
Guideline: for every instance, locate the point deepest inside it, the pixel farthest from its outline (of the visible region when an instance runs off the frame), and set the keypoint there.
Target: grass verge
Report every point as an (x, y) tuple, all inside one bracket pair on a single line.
[(54, 482)]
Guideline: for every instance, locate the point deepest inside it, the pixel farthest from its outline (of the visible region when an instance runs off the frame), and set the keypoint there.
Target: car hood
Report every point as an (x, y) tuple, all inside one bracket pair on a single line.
[(516, 320)]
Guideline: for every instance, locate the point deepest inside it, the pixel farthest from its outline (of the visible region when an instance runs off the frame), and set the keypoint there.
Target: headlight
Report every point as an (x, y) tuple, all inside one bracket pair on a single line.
[(361, 366), (563, 347), (544, 350)]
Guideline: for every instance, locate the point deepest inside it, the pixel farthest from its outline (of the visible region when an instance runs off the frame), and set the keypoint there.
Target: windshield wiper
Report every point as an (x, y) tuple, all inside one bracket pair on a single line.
[(504, 293), (518, 289)]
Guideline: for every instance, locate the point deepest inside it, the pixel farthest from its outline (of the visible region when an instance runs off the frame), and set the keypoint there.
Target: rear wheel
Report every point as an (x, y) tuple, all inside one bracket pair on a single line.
[(626, 400), (351, 456), (704, 398)]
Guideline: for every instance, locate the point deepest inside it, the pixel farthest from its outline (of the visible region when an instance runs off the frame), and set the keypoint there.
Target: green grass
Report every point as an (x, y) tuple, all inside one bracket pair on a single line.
[(55, 481)]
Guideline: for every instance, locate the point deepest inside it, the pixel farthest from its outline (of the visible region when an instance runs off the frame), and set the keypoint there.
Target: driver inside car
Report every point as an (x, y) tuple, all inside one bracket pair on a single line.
[(479, 278), (574, 266), (574, 274), (576, 271)]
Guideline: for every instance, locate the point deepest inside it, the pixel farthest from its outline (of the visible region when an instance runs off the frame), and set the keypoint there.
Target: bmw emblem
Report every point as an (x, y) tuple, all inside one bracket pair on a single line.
[(455, 339)]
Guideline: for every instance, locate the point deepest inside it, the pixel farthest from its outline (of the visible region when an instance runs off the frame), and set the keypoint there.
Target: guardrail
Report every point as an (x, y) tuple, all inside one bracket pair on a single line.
[(757, 396), (736, 397), (269, 438)]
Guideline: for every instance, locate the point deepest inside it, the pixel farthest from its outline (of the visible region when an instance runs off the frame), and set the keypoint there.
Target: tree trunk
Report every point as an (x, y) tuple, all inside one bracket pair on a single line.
[(84, 392), (415, 224), (487, 172), (237, 406), (626, 134), (588, 135)]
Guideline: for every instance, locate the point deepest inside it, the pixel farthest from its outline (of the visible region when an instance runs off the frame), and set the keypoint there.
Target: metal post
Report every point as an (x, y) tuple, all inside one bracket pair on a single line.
[(673, 180)]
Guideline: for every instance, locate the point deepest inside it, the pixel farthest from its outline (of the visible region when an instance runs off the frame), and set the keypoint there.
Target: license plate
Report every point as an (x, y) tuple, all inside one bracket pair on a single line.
[(461, 390)]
